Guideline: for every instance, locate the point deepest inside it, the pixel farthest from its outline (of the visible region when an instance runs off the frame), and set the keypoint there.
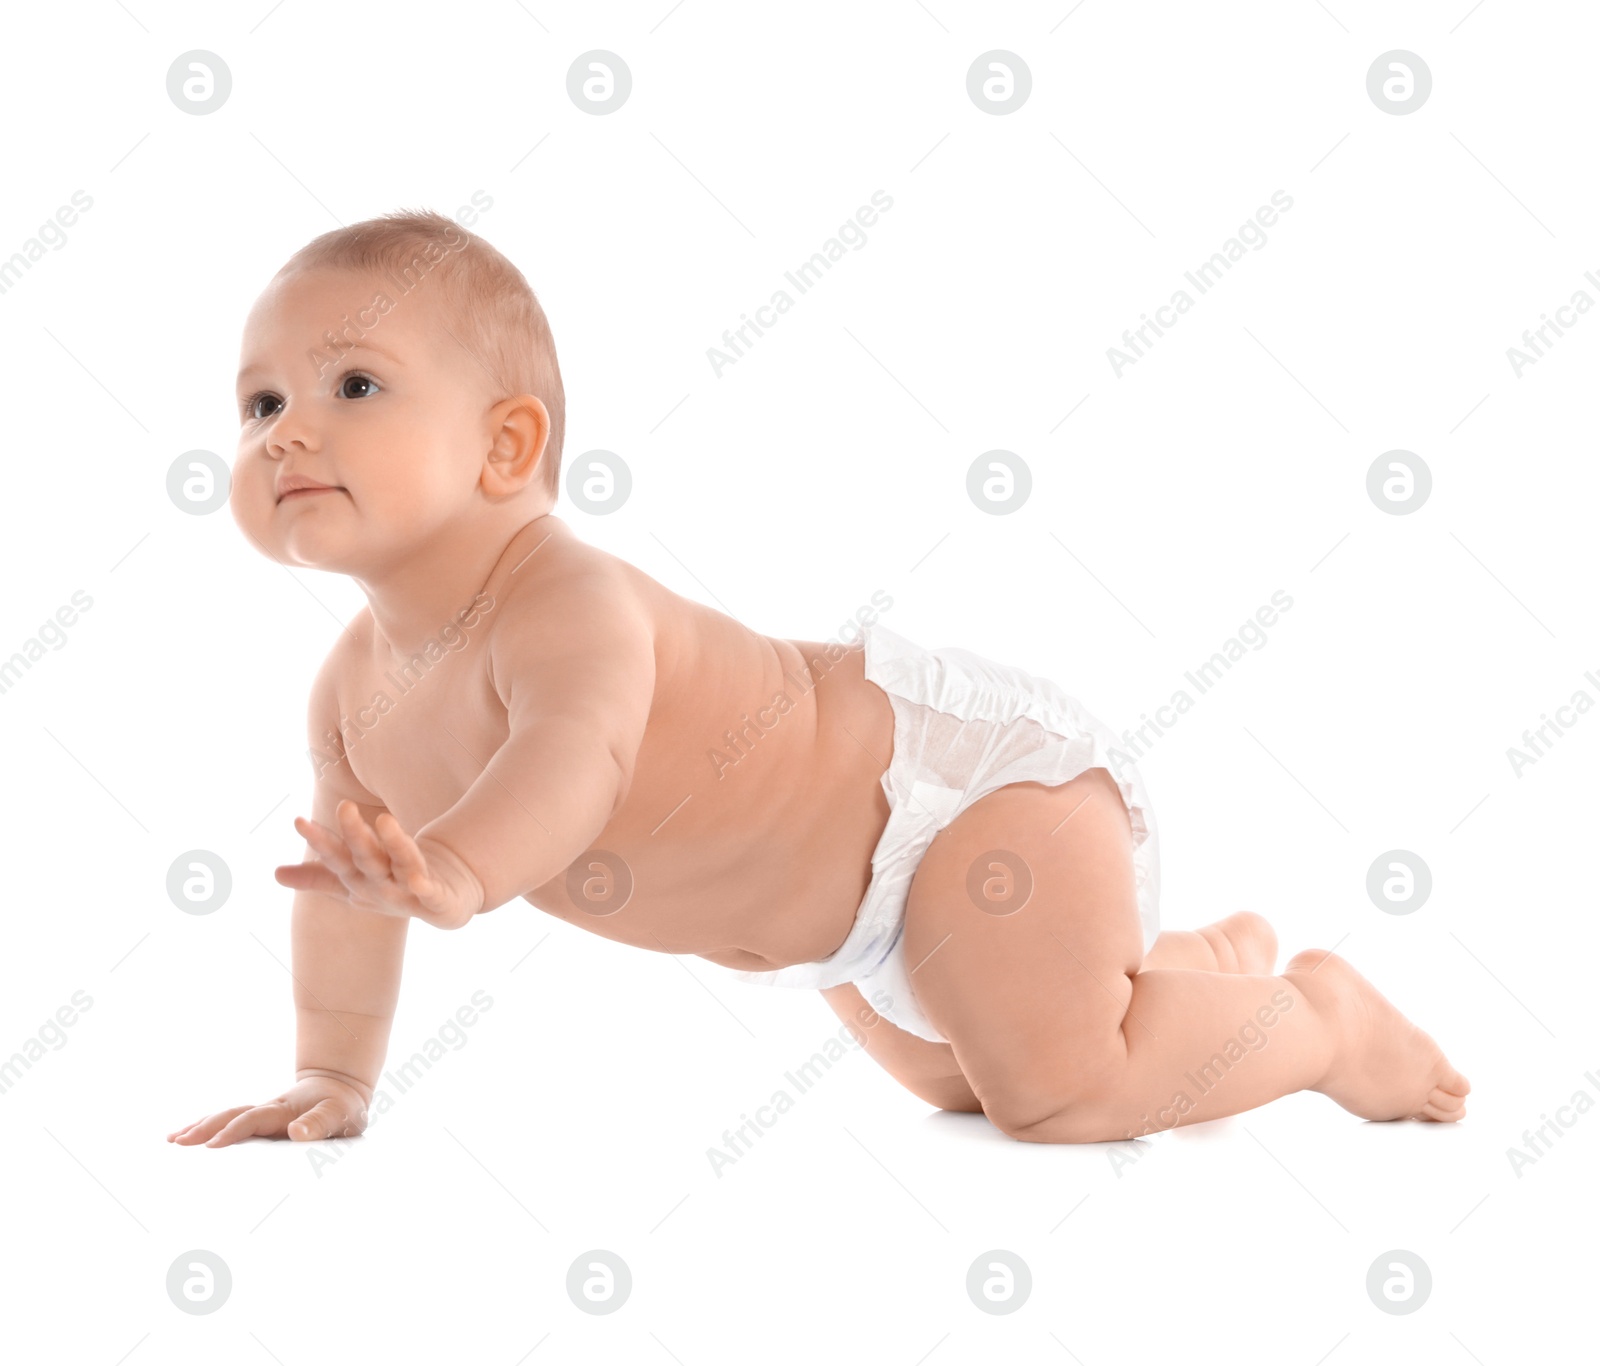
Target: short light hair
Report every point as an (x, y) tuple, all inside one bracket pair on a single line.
[(492, 308)]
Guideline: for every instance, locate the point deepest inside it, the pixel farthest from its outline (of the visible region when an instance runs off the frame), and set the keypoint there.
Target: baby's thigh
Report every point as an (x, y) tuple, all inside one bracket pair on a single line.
[(928, 1070), (1024, 921)]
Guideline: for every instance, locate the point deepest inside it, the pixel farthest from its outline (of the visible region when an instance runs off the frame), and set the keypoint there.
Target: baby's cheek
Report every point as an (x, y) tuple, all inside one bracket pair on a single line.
[(420, 499), (252, 500), (239, 494)]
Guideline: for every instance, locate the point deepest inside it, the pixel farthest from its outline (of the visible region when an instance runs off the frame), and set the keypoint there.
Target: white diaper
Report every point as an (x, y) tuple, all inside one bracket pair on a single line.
[(963, 727)]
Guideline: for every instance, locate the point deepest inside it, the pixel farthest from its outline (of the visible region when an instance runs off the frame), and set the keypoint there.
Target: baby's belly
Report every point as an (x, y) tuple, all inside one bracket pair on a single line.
[(762, 865)]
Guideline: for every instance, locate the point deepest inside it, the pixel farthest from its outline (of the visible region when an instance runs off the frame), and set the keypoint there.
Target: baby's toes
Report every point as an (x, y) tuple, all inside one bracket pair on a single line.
[(1254, 941), (1444, 1106)]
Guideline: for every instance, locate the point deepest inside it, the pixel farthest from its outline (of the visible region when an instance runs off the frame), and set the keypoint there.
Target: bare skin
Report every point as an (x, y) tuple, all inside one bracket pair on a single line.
[(618, 756), (1066, 1033), (1242, 942)]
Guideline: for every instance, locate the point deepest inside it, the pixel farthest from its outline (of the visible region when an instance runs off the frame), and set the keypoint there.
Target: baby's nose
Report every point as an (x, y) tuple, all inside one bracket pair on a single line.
[(289, 433)]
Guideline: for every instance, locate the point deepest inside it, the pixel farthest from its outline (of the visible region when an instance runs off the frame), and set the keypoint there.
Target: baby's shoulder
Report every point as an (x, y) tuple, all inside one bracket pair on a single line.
[(326, 707), (351, 648), (566, 588), (582, 624)]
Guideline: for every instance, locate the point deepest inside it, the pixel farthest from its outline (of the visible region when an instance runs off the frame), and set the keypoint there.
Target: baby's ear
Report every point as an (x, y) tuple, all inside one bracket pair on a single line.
[(521, 431)]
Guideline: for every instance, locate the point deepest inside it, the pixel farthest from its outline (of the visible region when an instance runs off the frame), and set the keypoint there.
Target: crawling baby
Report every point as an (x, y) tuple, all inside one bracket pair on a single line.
[(951, 850)]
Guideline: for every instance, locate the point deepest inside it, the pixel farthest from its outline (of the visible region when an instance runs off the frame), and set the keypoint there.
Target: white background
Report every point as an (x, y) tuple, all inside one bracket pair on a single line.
[(830, 461)]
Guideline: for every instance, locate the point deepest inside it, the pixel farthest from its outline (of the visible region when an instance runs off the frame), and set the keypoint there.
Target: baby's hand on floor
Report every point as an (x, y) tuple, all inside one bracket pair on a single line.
[(316, 1107), (385, 870)]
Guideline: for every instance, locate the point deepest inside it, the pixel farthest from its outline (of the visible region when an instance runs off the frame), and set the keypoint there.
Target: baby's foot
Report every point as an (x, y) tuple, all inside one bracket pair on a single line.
[(1243, 942), (1384, 1067)]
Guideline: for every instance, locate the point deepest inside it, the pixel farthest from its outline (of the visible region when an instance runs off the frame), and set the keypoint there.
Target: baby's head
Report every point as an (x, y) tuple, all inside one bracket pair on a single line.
[(405, 363)]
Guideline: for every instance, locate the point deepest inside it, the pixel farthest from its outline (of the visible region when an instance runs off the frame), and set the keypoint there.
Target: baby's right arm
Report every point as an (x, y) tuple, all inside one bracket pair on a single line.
[(347, 964)]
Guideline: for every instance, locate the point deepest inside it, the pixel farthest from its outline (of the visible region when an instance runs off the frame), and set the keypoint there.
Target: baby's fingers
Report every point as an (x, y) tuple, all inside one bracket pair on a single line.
[(202, 1129), (310, 877), (256, 1120), (405, 858), (365, 847), (327, 1119), (329, 845)]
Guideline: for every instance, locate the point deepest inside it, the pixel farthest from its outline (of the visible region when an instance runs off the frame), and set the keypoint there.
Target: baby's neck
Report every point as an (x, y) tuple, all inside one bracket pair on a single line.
[(427, 593)]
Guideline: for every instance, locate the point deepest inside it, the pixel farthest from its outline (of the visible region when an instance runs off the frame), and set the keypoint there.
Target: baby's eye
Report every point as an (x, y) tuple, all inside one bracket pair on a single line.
[(252, 405)]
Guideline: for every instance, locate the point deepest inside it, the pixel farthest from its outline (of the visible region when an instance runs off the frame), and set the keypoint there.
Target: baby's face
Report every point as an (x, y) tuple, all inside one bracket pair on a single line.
[(396, 426)]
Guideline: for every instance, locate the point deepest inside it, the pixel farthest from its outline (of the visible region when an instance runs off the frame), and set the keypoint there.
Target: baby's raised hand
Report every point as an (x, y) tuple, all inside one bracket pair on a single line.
[(381, 868)]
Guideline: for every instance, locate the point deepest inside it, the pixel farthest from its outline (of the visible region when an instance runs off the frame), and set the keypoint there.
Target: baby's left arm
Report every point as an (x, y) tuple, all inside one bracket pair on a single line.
[(575, 668)]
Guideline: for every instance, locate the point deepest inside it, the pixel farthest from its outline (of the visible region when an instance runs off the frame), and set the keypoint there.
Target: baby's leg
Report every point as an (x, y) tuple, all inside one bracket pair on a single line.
[(1241, 942), (1063, 1037), (927, 1069)]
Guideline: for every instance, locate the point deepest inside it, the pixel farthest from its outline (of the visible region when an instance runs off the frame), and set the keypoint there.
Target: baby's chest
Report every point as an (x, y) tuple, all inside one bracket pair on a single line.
[(419, 745)]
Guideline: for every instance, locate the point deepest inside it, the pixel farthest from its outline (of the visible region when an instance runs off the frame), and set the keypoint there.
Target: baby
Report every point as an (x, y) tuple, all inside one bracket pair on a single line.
[(948, 848)]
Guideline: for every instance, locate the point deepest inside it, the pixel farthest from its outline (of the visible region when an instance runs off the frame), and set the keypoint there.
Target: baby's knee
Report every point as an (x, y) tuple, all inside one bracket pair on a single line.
[(1080, 1121), (1068, 1104), (951, 1093)]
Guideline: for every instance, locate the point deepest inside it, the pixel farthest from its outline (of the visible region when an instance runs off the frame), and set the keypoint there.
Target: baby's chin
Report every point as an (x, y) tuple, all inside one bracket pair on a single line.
[(315, 537), (328, 531), (343, 544)]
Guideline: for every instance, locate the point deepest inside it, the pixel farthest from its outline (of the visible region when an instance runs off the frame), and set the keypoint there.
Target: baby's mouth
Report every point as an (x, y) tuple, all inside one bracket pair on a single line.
[(301, 493)]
